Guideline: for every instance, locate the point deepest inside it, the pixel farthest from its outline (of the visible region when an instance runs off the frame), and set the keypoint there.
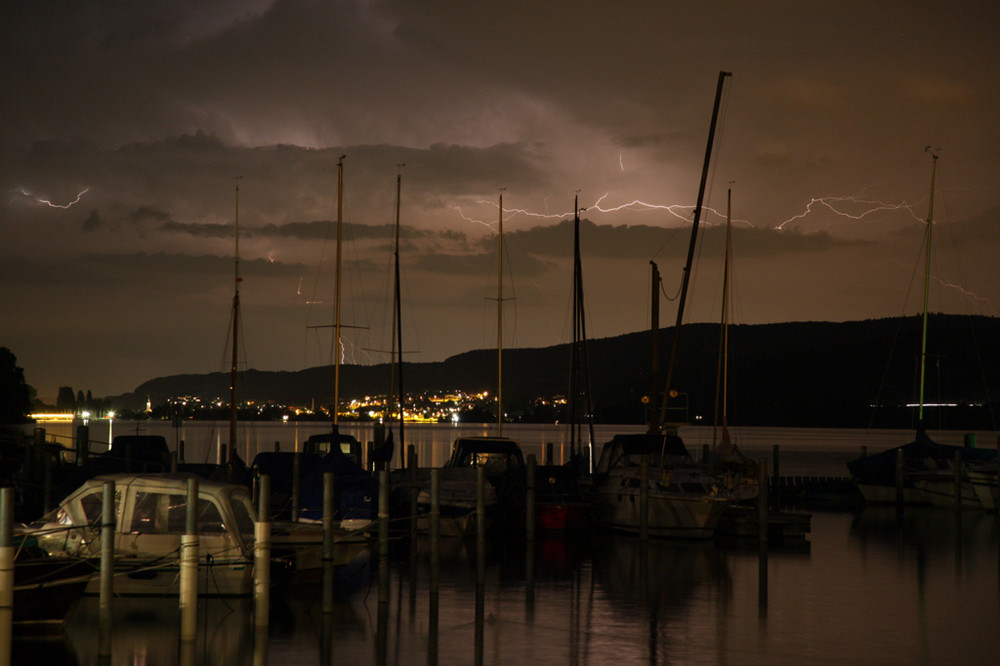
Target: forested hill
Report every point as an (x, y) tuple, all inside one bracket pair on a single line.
[(818, 374)]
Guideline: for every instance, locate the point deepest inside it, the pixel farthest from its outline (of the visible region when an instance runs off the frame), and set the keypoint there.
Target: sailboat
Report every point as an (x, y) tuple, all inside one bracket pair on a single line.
[(923, 471), (681, 499), (561, 502), (737, 472), (500, 456), (300, 537)]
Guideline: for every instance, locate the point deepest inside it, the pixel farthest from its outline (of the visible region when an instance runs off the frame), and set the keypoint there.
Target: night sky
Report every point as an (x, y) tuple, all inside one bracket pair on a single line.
[(126, 128)]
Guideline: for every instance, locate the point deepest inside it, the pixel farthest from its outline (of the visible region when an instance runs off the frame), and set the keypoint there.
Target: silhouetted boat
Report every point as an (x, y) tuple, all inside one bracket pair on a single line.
[(681, 499), (926, 468)]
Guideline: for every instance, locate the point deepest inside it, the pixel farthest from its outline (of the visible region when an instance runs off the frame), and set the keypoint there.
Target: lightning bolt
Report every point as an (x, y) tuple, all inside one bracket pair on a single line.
[(838, 205), (25, 193)]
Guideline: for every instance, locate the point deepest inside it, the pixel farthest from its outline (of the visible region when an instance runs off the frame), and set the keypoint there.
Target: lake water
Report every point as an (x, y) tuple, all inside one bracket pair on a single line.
[(864, 587)]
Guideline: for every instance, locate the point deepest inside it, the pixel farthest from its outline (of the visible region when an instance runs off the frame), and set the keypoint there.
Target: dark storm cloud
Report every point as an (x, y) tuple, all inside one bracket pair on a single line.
[(128, 126)]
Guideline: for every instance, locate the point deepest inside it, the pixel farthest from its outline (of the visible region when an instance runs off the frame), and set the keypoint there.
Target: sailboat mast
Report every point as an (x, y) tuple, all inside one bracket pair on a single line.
[(500, 320), (574, 359), (336, 324), (722, 375), (691, 245), (927, 283), (398, 317), (236, 328)]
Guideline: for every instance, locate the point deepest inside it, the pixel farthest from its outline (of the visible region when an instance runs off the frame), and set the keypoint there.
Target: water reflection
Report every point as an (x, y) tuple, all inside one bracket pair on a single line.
[(865, 588)]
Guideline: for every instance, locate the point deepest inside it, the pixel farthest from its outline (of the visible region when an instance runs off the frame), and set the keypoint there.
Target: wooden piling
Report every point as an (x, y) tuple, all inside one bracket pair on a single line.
[(549, 457), (82, 444), (775, 476), (411, 473), (328, 512), (262, 556), (957, 468), (7, 554), (644, 500), (296, 484), (480, 561), (107, 570), (435, 573), (762, 518), (899, 480), (529, 529), (189, 566)]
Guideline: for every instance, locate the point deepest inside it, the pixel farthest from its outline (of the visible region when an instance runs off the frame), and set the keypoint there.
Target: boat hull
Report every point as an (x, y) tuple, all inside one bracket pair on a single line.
[(670, 515)]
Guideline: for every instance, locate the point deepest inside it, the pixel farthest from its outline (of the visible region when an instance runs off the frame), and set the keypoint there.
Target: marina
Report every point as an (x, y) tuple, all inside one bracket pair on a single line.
[(865, 585)]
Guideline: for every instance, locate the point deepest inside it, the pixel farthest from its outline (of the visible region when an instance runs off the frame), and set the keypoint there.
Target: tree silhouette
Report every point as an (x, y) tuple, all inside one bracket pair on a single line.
[(15, 394)]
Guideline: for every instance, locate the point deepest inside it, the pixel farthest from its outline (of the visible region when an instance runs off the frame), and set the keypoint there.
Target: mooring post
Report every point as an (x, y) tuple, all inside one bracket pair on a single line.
[(762, 502), (957, 465), (383, 537), (328, 512), (180, 451), (262, 556), (529, 529), (82, 444), (189, 566), (382, 638), (296, 470), (107, 569), (480, 560), (411, 472), (899, 480), (644, 500), (776, 477), (435, 577), (7, 554), (549, 456)]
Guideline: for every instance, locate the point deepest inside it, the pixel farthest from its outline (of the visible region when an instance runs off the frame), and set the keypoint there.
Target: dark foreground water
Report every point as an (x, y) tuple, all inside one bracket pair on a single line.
[(863, 588)]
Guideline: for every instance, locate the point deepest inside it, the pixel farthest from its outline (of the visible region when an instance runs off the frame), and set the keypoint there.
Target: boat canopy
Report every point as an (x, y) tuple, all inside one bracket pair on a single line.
[(662, 450)]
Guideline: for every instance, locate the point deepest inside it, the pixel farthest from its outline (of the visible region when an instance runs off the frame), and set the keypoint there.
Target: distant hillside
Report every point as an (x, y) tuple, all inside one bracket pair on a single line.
[(818, 374)]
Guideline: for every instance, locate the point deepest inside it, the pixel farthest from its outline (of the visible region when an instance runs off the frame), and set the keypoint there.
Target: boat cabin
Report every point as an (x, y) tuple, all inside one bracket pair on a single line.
[(661, 450)]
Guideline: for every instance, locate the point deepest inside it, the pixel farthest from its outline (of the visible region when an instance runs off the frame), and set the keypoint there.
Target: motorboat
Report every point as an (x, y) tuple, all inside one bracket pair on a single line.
[(150, 519)]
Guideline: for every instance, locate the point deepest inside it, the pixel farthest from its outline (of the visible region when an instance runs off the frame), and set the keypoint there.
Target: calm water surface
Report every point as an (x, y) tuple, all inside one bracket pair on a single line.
[(866, 587)]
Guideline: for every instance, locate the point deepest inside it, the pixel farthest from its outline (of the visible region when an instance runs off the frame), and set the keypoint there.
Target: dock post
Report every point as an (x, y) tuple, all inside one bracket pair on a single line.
[(296, 470), (529, 529), (7, 555), (326, 647), (435, 578), (958, 480), (762, 519), (189, 566), (107, 570), (776, 478), (480, 561), (262, 556), (644, 500), (180, 451), (328, 511), (383, 567), (411, 472), (549, 457), (82, 444), (899, 480)]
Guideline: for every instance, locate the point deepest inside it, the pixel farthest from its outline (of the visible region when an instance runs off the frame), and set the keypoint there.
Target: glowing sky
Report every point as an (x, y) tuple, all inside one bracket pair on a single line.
[(125, 126)]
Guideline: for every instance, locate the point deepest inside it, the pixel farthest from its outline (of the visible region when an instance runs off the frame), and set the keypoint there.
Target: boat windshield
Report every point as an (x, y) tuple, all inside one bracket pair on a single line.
[(244, 513)]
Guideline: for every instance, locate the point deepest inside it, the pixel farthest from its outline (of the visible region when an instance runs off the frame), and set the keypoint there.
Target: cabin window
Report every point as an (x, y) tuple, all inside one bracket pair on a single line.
[(163, 513), (93, 505), (242, 512)]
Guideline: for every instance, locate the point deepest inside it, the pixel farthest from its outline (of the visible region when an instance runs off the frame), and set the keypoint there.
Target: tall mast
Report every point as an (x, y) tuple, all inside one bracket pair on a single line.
[(397, 316), (723, 371), (336, 324), (654, 342), (236, 328), (500, 320), (927, 282), (574, 354), (691, 245)]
